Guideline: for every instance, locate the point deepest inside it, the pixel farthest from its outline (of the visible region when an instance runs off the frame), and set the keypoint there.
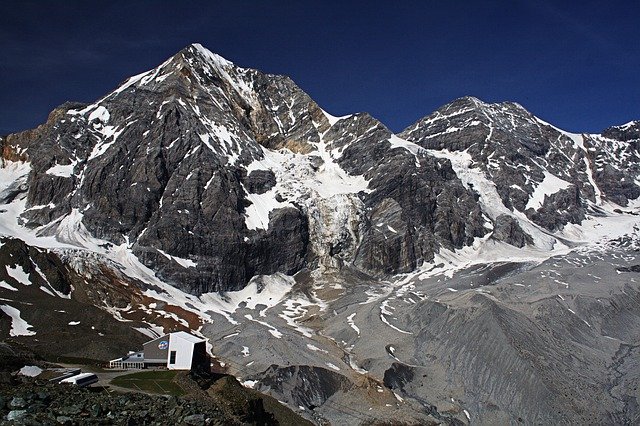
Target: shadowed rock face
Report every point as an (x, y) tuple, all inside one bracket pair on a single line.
[(615, 155), (158, 162)]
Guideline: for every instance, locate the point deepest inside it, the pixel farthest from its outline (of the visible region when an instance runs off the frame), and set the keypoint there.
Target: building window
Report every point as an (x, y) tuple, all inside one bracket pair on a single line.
[(172, 357)]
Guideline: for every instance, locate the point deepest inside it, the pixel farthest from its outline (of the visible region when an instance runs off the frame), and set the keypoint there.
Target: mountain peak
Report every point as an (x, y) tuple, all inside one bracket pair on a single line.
[(478, 104), (624, 132), (196, 49)]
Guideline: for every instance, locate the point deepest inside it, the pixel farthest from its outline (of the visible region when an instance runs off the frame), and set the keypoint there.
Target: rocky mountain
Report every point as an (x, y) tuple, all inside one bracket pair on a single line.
[(551, 176), (177, 154), (437, 275)]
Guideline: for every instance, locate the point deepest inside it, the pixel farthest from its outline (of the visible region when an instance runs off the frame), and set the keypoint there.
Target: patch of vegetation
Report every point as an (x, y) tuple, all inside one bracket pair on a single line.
[(153, 381)]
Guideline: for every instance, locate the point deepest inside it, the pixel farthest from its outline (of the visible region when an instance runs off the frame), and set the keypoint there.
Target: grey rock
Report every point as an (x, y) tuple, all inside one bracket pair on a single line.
[(194, 420), (421, 196), (172, 162), (184, 190), (305, 385), (96, 410), (64, 420), (70, 410), (398, 375), (515, 150), (260, 181), (18, 402), (629, 132), (162, 163), (508, 230), (6, 377), (16, 415), (158, 142), (559, 209)]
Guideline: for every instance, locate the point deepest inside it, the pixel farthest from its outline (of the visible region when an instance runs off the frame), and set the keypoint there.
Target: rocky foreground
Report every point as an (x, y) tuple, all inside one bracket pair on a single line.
[(26, 401), (211, 400)]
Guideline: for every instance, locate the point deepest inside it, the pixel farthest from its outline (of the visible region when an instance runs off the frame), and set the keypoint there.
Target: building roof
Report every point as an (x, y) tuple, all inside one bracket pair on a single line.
[(164, 336), (181, 334), (187, 336), (132, 357)]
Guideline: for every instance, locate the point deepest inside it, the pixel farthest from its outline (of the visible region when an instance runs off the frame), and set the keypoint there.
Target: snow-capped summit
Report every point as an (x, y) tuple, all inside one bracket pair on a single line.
[(209, 56), (548, 174)]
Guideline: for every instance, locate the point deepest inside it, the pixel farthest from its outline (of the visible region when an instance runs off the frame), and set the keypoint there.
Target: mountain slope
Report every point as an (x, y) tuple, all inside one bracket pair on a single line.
[(476, 267)]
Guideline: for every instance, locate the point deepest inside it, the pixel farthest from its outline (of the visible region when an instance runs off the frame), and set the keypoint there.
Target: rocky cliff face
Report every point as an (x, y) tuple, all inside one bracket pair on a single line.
[(212, 173)]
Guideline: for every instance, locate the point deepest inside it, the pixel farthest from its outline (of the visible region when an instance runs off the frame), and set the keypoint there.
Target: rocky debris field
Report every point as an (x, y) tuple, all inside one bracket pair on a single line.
[(36, 403)]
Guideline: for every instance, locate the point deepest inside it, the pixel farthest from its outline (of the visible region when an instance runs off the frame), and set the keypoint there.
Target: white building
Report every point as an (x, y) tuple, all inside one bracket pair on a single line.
[(175, 351)]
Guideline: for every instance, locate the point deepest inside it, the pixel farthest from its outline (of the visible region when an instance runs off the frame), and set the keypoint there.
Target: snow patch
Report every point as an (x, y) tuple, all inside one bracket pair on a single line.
[(19, 327), (295, 309), (316, 349), (251, 384), (13, 172), (332, 366), (257, 214), (266, 290), (413, 148), (18, 274), (211, 57), (185, 263), (30, 371), (100, 113), (332, 119), (65, 170), (352, 324), (7, 286), (46, 290), (549, 186)]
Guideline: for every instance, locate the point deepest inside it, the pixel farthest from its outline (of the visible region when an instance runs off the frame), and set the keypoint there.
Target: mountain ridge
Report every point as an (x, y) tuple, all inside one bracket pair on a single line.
[(248, 111), (227, 202)]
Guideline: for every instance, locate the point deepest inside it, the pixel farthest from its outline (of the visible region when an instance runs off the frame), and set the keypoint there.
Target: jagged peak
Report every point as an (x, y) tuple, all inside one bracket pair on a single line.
[(470, 111), (624, 132), (476, 103), (471, 99), (207, 55), (194, 57), (629, 125)]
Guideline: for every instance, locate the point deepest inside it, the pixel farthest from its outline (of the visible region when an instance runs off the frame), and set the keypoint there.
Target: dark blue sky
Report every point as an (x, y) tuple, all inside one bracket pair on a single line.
[(574, 64)]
